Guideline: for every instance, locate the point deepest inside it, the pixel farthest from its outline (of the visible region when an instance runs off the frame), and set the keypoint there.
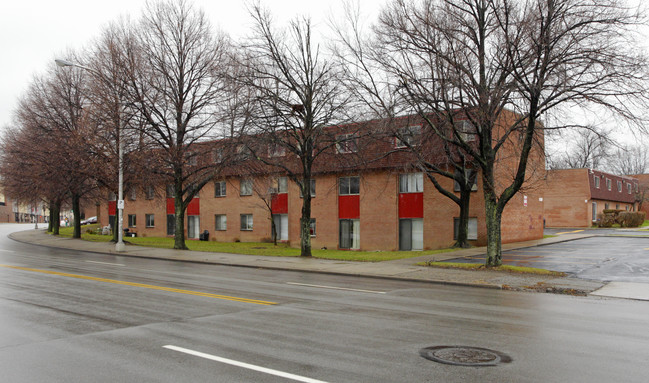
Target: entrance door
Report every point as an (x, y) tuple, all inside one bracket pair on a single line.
[(193, 226), (411, 234), (281, 225), (349, 234)]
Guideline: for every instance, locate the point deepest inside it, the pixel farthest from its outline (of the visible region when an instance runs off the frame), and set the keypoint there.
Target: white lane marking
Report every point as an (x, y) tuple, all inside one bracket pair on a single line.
[(7, 251), (106, 263), (336, 288), (244, 365)]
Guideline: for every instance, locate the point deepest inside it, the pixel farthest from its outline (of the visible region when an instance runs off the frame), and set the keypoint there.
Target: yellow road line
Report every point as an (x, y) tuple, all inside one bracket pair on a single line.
[(570, 232), (153, 287)]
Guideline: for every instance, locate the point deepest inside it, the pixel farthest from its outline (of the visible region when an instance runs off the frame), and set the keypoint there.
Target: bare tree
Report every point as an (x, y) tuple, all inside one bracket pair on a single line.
[(589, 148), (503, 64), (297, 99), (629, 160), (176, 83)]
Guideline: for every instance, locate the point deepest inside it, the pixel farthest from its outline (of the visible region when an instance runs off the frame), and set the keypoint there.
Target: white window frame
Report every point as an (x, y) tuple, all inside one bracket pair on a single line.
[(282, 185), (346, 143), (220, 222), (411, 183), (245, 187), (134, 222), (349, 185), (619, 186), (246, 222), (408, 136), (149, 220), (596, 178), (220, 189)]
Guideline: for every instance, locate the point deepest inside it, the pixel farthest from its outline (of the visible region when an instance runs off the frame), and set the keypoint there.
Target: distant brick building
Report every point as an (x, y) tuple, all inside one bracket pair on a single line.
[(574, 197), (378, 205)]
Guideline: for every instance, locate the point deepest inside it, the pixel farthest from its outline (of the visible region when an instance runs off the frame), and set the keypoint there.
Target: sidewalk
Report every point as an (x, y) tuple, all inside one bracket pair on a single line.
[(402, 269)]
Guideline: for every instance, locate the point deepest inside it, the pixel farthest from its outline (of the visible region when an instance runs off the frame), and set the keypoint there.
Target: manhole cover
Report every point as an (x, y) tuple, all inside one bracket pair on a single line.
[(464, 356)]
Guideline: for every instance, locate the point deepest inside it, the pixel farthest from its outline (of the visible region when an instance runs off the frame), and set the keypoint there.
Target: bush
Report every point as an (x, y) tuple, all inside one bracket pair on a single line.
[(605, 219), (609, 217), (631, 219)]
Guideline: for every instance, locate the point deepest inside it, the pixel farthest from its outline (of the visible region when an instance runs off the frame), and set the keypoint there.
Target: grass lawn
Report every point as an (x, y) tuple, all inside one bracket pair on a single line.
[(507, 268), (254, 248)]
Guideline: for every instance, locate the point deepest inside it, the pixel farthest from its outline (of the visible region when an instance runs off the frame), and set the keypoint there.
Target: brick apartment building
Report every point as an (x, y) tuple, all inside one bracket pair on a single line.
[(378, 205), (574, 197)]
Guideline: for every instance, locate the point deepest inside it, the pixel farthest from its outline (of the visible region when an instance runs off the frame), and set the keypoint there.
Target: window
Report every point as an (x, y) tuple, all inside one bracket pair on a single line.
[(596, 178), (132, 194), (217, 155), (245, 187), (469, 173), (409, 136), (246, 222), (149, 192), (411, 183), (312, 227), (193, 226), (220, 222), (619, 186), (349, 185), (628, 188), (282, 185), (606, 206), (150, 220), (171, 191), (349, 234), (466, 130), (608, 183), (472, 235), (191, 158), (219, 189), (112, 196), (346, 143), (312, 191), (617, 206), (276, 150), (131, 220), (594, 212), (243, 152)]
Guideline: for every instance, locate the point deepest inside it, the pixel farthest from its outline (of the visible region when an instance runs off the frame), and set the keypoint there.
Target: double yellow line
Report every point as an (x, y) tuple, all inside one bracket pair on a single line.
[(153, 287)]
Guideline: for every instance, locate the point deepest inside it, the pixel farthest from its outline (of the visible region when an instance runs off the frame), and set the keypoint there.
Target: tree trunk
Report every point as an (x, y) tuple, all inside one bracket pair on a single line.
[(55, 214), (462, 240), (493, 217), (273, 227), (76, 212), (305, 220), (179, 235), (50, 224)]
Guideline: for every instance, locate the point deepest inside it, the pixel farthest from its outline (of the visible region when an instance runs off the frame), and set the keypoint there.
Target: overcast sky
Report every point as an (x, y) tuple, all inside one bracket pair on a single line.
[(34, 32)]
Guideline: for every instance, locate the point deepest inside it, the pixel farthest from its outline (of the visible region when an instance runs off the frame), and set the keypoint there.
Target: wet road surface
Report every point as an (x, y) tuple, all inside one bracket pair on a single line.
[(69, 316)]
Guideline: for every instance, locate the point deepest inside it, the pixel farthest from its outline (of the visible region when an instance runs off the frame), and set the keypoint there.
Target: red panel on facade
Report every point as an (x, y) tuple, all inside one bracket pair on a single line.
[(112, 207), (194, 207), (411, 205), (349, 207), (171, 206), (279, 203)]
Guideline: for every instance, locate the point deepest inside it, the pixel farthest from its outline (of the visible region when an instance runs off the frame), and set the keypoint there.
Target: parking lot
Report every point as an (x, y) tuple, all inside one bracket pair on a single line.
[(603, 258)]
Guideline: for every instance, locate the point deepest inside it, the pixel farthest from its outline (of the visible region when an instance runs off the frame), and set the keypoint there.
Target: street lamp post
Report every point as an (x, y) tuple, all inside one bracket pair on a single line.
[(119, 246)]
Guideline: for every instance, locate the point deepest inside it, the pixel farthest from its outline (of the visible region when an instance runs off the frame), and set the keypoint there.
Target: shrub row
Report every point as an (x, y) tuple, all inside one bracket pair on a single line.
[(623, 218)]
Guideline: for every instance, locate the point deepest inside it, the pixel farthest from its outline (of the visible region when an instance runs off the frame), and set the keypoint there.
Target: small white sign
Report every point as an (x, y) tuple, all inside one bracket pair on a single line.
[(524, 200), (120, 204)]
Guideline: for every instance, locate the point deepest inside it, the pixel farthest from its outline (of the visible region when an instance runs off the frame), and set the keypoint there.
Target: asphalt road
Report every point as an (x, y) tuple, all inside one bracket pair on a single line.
[(81, 317), (602, 258)]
